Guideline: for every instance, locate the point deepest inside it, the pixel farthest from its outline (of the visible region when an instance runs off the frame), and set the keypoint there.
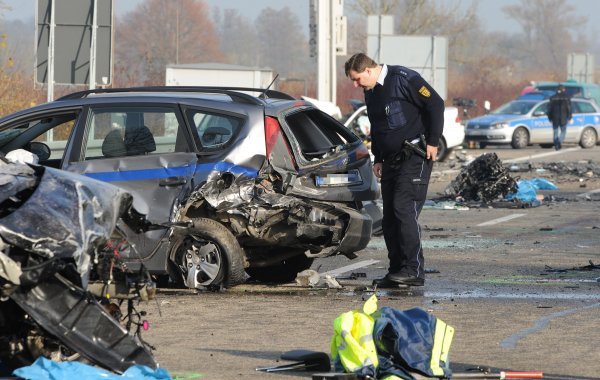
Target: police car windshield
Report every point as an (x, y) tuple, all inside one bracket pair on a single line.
[(516, 107)]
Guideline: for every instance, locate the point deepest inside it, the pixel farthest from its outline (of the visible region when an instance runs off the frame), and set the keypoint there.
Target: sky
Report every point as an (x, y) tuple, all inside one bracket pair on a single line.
[(490, 11)]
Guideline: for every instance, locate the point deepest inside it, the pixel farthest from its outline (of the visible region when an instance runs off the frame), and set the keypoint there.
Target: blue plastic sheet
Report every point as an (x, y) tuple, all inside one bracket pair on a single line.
[(527, 189), (45, 369)]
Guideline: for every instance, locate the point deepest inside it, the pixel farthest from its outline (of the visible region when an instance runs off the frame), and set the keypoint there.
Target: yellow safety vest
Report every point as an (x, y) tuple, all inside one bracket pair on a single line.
[(352, 342)]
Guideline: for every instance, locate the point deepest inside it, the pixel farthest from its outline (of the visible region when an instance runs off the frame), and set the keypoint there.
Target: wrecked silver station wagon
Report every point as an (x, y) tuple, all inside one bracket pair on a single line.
[(264, 182)]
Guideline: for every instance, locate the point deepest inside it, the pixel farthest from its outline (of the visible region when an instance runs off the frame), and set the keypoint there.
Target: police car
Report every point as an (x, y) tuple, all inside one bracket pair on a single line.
[(524, 121)]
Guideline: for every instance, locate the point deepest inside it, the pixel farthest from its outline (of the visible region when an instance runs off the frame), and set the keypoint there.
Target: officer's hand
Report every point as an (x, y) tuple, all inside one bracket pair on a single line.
[(432, 152), (377, 168)]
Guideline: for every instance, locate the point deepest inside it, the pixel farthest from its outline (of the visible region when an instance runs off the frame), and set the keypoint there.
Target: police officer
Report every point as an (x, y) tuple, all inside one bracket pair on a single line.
[(401, 107)]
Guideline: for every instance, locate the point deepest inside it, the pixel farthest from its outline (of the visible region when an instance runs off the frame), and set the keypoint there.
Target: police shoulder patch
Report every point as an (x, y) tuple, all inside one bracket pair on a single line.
[(424, 91)]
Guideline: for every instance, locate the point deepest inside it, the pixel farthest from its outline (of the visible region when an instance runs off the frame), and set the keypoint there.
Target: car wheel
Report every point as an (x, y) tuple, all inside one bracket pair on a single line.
[(285, 271), (206, 255), (442, 150), (588, 138), (520, 138)]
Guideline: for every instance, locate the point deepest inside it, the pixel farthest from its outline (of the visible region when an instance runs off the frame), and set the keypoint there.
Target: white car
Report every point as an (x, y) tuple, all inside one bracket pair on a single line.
[(453, 135)]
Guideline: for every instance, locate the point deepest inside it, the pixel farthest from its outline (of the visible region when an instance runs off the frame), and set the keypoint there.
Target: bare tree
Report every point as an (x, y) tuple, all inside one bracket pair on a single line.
[(449, 18), (238, 37), (282, 44), (157, 33), (551, 30)]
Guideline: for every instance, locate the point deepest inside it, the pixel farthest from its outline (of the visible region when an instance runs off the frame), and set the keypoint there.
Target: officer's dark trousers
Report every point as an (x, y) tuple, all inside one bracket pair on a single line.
[(404, 191)]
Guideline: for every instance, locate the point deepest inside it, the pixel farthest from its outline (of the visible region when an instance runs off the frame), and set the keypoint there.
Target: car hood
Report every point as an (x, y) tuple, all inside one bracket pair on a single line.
[(493, 119)]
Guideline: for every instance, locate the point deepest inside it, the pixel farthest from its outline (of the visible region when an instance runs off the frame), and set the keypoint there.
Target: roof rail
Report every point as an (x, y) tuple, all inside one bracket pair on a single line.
[(233, 92)]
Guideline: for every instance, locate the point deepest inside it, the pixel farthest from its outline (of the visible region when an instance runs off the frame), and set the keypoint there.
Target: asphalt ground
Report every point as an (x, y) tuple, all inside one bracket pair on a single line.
[(516, 283)]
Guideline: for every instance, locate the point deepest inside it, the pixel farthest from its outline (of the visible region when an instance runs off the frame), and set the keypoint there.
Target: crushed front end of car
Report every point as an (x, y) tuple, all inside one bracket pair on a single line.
[(54, 227)]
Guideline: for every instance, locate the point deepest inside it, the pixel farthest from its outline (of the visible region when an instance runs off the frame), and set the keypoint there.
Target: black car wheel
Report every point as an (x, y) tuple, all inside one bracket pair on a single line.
[(207, 254), (520, 138), (588, 138), (285, 271)]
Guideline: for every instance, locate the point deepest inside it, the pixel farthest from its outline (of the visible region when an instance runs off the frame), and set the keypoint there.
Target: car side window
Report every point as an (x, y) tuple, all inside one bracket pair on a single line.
[(122, 131), (52, 131), (215, 131), (541, 110), (582, 107)]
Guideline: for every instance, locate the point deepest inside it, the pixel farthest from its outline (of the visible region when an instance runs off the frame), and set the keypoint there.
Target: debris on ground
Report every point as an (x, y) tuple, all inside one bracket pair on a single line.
[(310, 278), (527, 190), (589, 267), (484, 179), (44, 368)]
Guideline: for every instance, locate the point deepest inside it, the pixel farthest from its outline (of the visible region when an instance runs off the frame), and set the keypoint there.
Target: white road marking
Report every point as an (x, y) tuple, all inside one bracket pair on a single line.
[(500, 220), (529, 158), (348, 268), (588, 193)]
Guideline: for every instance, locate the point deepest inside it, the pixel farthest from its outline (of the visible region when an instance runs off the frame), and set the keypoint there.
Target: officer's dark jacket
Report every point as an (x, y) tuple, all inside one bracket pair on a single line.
[(405, 107), (559, 110)]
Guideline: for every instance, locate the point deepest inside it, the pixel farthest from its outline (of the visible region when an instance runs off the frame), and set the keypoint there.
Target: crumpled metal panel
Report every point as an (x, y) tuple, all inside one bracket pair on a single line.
[(14, 178), (66, 216), (84, 325), (255, 210)]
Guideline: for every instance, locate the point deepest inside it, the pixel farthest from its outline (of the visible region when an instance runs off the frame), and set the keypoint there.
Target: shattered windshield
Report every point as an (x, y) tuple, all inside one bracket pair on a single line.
[(516, 107)]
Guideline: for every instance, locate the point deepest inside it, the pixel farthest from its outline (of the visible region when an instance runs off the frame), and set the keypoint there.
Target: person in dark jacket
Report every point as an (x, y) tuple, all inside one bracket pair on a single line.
[(401, 107), (559, 113)]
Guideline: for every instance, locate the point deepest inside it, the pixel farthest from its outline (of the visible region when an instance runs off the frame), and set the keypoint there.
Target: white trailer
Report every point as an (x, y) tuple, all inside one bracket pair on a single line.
[(218, 74)]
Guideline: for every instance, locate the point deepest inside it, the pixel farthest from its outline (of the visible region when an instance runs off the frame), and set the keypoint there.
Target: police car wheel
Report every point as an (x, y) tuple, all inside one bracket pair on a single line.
[(520, 138), (588, 138)]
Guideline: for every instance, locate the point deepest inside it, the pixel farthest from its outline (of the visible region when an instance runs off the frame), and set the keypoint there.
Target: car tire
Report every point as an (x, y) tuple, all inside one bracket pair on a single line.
[(442, 150), (520, 138), (285, 271), (212, 250), (588, 138)]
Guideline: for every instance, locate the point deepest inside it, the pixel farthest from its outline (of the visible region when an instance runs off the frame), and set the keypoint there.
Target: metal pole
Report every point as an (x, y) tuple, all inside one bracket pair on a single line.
[(332, 52), (51, 53), (378, 59), (93, 46), (433, 84)]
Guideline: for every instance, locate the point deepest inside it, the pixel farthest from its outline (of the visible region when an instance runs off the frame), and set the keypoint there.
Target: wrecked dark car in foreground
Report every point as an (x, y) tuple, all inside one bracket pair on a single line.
[(266, 182), (63, 294)]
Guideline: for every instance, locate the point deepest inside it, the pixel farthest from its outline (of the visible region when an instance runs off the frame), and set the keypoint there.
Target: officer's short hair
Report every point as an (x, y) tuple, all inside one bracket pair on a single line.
[(359, 63)]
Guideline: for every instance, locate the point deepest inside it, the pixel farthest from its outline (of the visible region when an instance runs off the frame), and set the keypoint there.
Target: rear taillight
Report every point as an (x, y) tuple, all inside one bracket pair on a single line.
[(457, 120), (273, 135)]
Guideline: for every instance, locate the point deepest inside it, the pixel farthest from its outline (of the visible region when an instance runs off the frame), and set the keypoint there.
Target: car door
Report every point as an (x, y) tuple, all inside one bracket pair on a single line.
[(146, 150), (578, 121), (540, 126)]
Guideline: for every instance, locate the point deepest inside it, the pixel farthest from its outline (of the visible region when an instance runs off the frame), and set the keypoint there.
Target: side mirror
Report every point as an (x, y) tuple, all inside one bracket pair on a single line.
[(39, 149)]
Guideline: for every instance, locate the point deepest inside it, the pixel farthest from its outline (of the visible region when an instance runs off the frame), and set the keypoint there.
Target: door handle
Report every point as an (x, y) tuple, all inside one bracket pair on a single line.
[(172, 181)]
